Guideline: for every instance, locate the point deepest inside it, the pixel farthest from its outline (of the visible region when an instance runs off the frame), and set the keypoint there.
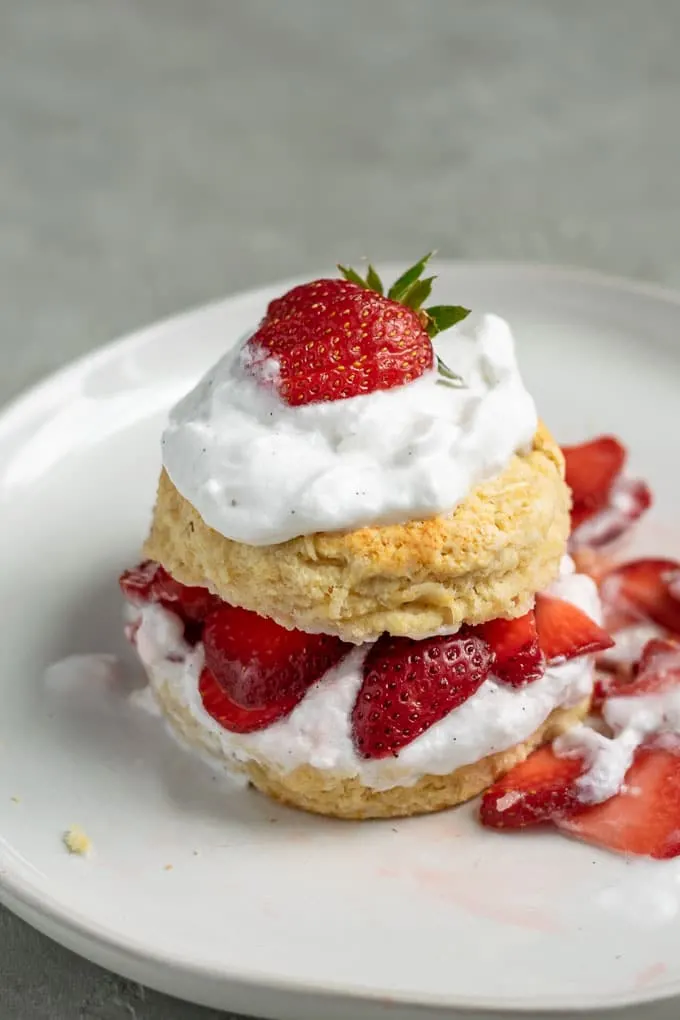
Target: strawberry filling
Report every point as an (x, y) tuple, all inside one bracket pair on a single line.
[(256, 672)]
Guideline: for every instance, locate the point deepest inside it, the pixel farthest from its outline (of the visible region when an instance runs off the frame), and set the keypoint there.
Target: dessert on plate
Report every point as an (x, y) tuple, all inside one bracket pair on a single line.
[(356, 589)]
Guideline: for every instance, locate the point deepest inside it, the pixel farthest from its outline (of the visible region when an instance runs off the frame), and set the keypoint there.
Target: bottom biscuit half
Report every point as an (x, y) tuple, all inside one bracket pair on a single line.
[(328, 793)]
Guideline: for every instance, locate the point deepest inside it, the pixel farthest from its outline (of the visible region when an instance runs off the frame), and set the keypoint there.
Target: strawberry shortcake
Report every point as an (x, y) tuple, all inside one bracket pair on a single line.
[(356, 590)]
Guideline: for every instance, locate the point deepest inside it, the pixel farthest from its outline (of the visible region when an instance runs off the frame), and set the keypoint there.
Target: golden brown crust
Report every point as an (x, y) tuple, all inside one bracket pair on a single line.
[(487, 559), (329, 793)]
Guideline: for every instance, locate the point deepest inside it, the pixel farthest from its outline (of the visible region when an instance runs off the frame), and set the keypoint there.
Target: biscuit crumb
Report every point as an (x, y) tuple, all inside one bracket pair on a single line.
[(76, 841), (168, 867)]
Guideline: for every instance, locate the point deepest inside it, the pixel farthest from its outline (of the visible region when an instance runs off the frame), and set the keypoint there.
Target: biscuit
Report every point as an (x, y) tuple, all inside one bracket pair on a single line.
[(486, 559), (329, 793)]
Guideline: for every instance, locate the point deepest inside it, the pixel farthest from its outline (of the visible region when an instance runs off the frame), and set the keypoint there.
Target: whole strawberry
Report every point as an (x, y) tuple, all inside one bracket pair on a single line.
[(409, 686), (338, 338)]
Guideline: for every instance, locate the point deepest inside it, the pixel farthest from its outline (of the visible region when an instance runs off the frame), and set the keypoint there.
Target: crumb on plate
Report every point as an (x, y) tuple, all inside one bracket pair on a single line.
[(76, 841)]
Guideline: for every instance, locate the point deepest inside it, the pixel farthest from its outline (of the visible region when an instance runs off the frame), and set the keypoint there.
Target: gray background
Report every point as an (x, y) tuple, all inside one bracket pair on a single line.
[(156, 154)]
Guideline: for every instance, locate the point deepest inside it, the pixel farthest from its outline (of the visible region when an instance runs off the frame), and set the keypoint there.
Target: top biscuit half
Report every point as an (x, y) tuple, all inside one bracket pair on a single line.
[(486, 559)]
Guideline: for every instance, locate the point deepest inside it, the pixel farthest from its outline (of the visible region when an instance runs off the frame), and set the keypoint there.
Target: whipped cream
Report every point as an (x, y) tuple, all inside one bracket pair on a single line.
[(260, 472), (318, 731)]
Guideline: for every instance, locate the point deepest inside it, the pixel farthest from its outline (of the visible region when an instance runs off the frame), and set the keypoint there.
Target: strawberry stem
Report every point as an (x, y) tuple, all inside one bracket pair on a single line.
[(412, 291)]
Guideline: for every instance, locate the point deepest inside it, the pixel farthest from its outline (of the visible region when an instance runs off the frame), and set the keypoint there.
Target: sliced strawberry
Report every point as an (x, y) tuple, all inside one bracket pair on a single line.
[(150, 582), (258, 663), (591, 470), (535, 791), (644, 818), (138, 584), (564, 631), (602, 685), (641, 590), (408, 686), (234, 717), (629, 499), (657, 672), (517, 655)]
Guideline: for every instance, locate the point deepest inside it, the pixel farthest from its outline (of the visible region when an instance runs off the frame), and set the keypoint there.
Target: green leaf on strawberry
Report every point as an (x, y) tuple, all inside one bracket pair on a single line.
[(441, 317), (373, 280), (400, 286), (417, 293), (352, 276)]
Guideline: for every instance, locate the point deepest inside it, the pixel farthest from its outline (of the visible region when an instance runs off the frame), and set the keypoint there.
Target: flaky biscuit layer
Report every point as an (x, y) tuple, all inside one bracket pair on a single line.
[(329, 793)]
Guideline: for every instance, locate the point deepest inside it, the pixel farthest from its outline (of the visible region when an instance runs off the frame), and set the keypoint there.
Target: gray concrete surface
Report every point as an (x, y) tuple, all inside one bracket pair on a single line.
[(155, 154)]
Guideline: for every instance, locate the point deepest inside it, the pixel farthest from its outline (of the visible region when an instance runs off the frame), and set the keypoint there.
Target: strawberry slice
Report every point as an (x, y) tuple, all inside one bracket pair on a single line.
[(517, 654), (642, 589), (591, 470), (536, 791), (408, 686), (603, 685), (644, 818), (657, 672), (234, 717), (150, 582), (257, 663), (629, 499), (565, 631)]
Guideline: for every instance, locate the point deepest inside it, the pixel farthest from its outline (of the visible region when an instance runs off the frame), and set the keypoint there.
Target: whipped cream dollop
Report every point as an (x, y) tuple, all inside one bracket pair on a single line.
[(260, 472), (319, 730)]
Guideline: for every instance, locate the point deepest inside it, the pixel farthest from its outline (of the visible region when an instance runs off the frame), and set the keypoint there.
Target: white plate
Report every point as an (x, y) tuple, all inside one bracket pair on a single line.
[(265, 910)]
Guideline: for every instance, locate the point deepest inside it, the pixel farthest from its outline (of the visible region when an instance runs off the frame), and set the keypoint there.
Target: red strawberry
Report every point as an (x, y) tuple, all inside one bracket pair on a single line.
[(603, 684), (338, 338), (149, 582), (564, 631), (591, 470), (628, 501), (517, 655), (641, 590), (257, 663), (644, 818), (234, 717), (658, 671), (408, 686), (535, 791), (138, 584), (343, 341)]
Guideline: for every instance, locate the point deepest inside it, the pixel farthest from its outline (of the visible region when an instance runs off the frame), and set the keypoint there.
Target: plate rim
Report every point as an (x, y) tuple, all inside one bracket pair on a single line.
[(90, 359), (16, 892)]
